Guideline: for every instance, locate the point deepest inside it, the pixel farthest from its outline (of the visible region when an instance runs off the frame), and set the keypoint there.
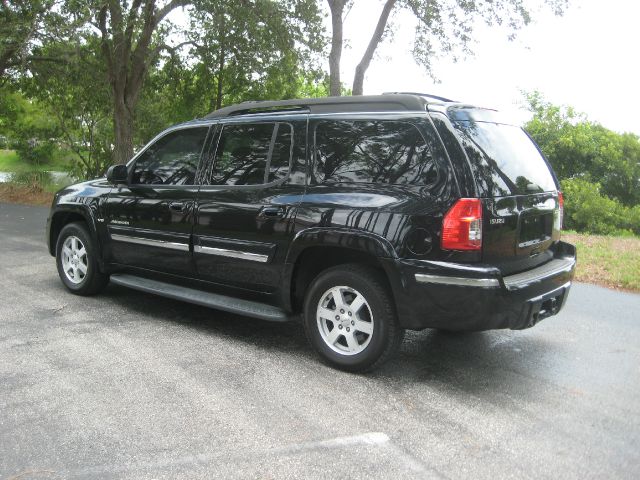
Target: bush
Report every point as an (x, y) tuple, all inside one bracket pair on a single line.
[(586, 209), (34, 180), (35, 152)]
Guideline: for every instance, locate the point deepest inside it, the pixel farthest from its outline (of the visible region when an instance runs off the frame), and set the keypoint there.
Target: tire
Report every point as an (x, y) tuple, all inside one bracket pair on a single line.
[(76, 259), (374, 334)]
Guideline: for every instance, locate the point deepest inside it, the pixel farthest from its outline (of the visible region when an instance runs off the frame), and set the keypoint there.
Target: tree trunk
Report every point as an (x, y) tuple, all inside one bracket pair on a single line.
[(221, 60), (358, 79), (336, 7), (123, 132)]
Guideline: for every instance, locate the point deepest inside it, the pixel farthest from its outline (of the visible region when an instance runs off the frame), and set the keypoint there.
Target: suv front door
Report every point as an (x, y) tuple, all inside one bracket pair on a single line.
[(150, 220), (247, 203)]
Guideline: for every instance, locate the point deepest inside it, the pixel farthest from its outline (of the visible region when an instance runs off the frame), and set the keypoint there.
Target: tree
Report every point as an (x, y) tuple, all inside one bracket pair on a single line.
[(20, 22), (580, 148), (253, 48), (77, 94), (128, 48), (442, 26)]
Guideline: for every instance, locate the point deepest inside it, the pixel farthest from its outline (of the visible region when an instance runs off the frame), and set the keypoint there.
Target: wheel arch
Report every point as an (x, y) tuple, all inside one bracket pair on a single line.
[(67, 215), (315, 250)]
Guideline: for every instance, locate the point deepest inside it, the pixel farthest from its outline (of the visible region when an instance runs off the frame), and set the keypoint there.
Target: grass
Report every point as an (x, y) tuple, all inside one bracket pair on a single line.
[(613, 262), (11, 162)]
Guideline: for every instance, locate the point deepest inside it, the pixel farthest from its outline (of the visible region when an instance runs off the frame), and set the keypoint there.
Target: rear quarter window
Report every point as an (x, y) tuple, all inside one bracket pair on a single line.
[(373, 151)]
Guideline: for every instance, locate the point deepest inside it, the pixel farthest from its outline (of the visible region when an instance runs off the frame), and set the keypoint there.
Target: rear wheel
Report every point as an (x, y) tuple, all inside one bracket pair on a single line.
[(76, 259), (350, 318)]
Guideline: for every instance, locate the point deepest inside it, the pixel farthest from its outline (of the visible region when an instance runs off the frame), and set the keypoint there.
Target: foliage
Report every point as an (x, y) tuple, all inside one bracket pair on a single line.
[(33, 179), (77, 95), (588, 210), (444, 27), (579, 148), (23, 23), (29, 128)]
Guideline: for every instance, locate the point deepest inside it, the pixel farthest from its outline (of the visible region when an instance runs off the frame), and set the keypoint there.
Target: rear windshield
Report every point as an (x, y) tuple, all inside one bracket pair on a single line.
[(504, 159)]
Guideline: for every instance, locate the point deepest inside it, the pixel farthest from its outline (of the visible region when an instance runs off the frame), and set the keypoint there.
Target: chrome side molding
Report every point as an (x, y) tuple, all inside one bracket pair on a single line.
[(150, 242), (465, 282), (225, 252)]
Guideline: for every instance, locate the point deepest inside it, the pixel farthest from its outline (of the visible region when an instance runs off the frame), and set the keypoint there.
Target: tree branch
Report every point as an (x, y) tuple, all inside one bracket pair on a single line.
[(362, 67)]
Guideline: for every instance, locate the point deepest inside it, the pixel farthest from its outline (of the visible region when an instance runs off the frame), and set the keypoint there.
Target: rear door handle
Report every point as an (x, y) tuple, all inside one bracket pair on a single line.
[(273, 212), (176, 206)]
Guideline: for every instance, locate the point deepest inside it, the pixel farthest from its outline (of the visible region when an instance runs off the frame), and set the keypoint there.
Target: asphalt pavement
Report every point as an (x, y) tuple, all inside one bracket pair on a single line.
[(129, 385)]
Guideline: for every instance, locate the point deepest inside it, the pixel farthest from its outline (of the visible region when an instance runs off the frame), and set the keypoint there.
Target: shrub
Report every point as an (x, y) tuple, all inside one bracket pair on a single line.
[(34, 180), (588, 210)]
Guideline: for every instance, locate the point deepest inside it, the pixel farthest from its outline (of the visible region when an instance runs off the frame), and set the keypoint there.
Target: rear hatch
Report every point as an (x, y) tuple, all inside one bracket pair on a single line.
[(521, 217)]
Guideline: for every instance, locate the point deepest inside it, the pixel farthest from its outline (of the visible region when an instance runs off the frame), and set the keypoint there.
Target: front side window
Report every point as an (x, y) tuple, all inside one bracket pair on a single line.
[(172, 160), (252, 154), (372, 151)]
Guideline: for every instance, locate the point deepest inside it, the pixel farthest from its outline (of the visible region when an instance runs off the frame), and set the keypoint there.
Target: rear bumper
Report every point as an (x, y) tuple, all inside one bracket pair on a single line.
[(452, 296)]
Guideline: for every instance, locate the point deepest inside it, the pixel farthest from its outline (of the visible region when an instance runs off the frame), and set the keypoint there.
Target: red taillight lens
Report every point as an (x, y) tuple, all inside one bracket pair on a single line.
[(462, 225)]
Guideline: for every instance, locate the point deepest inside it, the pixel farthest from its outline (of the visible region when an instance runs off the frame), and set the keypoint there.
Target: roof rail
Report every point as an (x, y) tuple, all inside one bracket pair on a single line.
[(428, 95), (364, 103)]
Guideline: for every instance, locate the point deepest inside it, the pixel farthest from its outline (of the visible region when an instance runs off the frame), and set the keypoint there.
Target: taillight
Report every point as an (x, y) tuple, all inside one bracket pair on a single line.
[(462, 226), (560, 212)]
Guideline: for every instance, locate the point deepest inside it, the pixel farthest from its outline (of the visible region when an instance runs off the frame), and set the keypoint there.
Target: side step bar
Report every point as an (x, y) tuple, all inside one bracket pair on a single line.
[(199, 297)]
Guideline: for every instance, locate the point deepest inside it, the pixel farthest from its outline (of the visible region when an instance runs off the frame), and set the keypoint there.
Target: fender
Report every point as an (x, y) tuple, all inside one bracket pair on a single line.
[(88, 209), (347, 238)]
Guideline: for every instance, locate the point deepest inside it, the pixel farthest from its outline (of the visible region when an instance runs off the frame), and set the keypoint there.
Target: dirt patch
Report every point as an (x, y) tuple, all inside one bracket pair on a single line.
[(26, 195)]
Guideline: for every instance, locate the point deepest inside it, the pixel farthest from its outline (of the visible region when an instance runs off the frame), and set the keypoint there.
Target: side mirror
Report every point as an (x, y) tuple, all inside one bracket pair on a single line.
[(118, 174)]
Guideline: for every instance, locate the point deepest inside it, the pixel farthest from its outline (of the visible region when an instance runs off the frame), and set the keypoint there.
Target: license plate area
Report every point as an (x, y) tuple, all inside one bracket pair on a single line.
[(535, 229)]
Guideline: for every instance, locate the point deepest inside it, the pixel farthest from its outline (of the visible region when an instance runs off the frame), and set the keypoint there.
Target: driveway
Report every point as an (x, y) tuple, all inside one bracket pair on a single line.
[(129, 385)]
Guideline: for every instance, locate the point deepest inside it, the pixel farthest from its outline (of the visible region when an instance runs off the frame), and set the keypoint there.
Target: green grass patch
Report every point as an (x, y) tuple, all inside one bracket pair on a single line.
[(611, 261), (11, 162)]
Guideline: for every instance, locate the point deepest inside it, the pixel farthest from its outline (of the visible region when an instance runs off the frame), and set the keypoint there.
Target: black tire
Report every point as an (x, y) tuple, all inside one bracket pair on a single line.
[(93, 281), (387, 335)]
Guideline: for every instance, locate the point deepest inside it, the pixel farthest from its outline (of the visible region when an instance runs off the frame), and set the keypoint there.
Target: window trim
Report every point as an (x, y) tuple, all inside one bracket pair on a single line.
[(205, 181), (132, 163), (318, 121)]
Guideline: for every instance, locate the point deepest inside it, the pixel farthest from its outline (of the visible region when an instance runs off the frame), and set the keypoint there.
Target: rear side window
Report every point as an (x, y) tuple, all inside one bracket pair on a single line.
[(371, 151), (252, 154), (504, 159)]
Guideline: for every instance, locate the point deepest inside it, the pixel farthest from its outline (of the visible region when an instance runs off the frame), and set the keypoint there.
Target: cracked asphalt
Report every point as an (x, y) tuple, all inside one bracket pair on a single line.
[(128, 385)]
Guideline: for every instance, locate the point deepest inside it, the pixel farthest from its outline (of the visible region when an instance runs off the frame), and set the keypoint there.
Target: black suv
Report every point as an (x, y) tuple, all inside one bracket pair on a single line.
[(364, 216)]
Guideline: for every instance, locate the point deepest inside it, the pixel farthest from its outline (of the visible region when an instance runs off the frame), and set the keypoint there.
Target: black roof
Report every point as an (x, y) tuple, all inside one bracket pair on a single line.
[(363, 103)]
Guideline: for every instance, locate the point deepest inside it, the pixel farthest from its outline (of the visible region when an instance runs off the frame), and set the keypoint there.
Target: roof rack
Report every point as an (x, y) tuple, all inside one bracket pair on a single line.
[(428, 95), (361, 103)]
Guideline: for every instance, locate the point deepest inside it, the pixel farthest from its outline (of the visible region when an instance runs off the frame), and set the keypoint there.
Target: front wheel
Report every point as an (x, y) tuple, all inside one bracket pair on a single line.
[(76, 259), (350, 318)]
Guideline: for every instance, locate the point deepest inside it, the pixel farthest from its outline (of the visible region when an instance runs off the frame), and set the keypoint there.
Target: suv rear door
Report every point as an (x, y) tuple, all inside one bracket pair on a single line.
[(248, 201)]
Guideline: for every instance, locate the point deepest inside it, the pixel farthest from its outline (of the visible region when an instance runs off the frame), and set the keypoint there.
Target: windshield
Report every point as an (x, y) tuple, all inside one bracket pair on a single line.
[(504, 159)]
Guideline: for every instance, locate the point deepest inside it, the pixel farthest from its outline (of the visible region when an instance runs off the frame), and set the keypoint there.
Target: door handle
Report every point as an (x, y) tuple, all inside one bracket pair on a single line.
[(176, 206), (273, 212)]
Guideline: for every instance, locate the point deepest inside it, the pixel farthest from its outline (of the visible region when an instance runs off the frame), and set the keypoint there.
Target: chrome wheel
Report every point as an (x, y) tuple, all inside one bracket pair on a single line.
[(74, 260), (345, 320)]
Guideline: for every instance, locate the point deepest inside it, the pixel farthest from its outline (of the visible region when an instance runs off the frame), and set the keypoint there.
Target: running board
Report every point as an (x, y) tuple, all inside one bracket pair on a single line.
[(199, 297)]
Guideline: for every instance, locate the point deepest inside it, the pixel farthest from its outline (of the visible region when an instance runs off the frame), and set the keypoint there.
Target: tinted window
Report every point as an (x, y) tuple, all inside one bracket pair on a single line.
[(504, 159), (372, 152), (251, 154), (172, 160)]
